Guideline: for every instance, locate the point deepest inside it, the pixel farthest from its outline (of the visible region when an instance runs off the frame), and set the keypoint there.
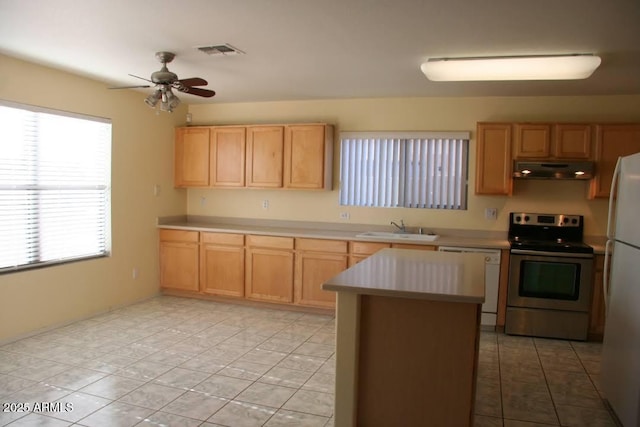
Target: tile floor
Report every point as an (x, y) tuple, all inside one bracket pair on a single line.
[(185, 362)]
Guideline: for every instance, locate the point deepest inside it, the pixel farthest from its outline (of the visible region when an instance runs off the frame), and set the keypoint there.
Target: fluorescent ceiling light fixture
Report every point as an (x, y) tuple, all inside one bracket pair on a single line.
[(553, 67)]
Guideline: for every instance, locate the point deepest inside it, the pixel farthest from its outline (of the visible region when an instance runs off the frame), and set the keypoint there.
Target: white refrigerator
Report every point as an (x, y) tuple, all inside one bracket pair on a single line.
[(620, 373)]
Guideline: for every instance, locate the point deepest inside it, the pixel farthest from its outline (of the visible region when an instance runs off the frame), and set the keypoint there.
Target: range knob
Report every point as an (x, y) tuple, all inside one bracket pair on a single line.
[(526, 218), (565, 220), (574, 221), (518, 219)]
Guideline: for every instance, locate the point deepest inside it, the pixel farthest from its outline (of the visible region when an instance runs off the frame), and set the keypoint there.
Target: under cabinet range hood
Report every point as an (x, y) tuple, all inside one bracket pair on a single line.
[(553, 170)]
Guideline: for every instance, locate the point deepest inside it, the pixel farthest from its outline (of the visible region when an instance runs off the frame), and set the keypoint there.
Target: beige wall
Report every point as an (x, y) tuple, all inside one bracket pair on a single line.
[(445, 114), (142, 156)]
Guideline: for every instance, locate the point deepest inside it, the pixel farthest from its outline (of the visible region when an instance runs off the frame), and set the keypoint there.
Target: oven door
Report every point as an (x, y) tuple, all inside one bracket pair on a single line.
[(551, 280)]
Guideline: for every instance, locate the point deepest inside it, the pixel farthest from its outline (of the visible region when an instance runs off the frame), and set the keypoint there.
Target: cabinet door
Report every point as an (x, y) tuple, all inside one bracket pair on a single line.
[(179, 265), (612, 141), (572, 141), (265, 156), (222, 270), (308, 156), (532, 141), (359, 251), (269, 274), (312, 270), (191, 157), (228, 147), (413, 247), (493, 158)]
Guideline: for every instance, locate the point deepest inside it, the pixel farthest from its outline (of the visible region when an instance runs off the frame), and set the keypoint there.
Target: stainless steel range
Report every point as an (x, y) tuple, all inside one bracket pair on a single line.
[(550, 276)]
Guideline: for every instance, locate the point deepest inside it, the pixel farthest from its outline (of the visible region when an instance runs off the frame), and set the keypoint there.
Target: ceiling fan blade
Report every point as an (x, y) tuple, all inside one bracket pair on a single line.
[(129, 87), (194, 81), (197, 91), (141, 78)]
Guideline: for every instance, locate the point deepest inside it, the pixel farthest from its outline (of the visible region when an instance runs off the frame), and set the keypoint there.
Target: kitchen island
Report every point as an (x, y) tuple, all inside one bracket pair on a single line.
[(408, 325)]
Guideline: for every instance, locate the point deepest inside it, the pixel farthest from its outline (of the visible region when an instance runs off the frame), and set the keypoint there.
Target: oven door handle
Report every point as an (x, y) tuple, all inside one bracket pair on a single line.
[(553, 254)]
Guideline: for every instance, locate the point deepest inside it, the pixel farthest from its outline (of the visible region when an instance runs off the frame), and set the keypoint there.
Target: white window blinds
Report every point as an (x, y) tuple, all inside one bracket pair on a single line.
[(54, 186), (414, 170)]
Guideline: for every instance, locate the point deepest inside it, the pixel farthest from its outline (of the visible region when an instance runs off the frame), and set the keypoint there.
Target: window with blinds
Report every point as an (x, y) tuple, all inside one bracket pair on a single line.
[(409, 169), (55, 184)]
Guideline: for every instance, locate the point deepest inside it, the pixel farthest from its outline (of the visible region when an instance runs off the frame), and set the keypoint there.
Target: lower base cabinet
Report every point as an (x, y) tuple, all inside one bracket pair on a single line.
[(222, 264), (269, 268), (597, 315), (179, 260), (316, 262)]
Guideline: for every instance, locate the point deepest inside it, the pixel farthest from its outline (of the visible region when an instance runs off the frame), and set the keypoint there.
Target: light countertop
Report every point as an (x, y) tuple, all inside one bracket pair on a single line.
[(436, 276), (301, 229)]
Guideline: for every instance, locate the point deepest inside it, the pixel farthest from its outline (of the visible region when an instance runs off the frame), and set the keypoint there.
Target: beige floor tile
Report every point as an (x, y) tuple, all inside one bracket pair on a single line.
[(195, 405), (153, 396), (301, 362), (325, 383), (488, 399), (182, 378), (33, 420), (597, 416), (116, 414), (245, 370), (285, 377), (522, 408), (76, 406), (222, 386), (295, 419), (242, 414), (266, 394), (112, 387), (75, 378), (164, 419), (311, 402), (484, 421)]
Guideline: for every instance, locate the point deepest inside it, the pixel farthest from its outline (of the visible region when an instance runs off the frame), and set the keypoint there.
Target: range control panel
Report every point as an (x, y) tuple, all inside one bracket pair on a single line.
[(555, 220)]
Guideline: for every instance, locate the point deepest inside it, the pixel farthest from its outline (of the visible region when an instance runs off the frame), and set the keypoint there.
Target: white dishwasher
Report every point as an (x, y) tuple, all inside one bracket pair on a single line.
[(491, 280)]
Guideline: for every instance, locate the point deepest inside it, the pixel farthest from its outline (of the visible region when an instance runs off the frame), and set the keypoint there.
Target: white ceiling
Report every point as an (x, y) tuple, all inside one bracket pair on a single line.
[(312, 49)]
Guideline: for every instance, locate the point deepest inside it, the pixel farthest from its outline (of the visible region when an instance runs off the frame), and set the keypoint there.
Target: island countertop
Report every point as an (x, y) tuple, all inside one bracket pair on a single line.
[(436, 276)]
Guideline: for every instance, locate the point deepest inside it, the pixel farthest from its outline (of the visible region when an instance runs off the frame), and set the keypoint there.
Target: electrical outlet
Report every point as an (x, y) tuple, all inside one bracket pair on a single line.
[(344, 215), (265, 204), (203, 201), (156, 190), (491, 213), (135, 273)]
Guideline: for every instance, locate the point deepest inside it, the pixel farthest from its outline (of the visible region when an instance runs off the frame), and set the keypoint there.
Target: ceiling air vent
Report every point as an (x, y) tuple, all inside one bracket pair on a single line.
[(222, 49)]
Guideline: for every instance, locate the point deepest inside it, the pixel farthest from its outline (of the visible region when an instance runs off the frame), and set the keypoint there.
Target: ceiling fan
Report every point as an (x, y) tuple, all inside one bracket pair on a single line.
[(165, 80)]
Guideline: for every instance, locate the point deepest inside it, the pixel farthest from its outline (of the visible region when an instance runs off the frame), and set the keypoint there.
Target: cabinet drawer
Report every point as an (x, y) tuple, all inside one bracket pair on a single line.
[(270, 242), (222, 238), (367, 248), (413, 247), (178, 236), (321, 245)]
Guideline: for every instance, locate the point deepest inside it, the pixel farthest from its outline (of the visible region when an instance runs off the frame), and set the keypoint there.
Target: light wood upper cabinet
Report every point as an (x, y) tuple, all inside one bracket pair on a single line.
[(611, 142), (222, 264), (192, 157), (228, 145), (493, 158), (552, 141), (269, 268), (265, 156), (179, 259), (572, 141), (308, 156), (532, 141), (316, 262)]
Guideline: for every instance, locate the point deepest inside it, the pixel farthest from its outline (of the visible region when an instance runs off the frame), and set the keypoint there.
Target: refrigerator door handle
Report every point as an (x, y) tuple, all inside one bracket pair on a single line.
[(605, 276), (612, 193)]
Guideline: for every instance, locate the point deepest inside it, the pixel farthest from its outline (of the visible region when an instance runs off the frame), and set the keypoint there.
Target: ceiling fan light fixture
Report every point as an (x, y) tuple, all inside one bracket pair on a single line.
[(152, 100), (169, 100), (503, 68)]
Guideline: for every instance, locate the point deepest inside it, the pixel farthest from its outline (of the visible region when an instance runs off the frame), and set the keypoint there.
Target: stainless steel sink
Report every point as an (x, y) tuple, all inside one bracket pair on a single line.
[(398, 236)]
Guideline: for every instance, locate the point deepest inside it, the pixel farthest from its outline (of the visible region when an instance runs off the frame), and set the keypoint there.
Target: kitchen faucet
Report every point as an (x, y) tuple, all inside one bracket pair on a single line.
[(401, 228)]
